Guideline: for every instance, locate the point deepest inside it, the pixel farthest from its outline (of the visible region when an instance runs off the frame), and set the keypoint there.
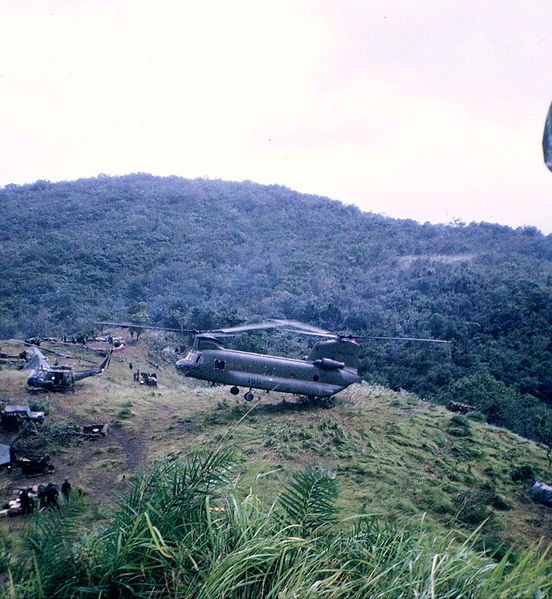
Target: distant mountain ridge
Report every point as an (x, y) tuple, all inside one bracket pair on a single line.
[(221, 251)]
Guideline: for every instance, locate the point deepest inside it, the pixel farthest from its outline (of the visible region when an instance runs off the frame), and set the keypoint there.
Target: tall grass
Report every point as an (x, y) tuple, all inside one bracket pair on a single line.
[(182, 530)]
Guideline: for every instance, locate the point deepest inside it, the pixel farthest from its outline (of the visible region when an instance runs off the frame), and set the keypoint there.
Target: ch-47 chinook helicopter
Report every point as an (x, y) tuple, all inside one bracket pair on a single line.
[(46, 378), (330, 367)]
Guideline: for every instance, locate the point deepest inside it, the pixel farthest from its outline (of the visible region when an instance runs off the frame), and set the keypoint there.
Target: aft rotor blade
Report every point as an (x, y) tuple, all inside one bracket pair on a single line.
[(400, 339)]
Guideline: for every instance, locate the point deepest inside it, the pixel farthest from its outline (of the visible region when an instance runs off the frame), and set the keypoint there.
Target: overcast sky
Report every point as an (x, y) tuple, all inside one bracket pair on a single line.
[(423, 109)]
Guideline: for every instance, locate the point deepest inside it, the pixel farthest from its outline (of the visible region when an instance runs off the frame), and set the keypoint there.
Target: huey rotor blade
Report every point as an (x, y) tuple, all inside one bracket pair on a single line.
[(59, 354)]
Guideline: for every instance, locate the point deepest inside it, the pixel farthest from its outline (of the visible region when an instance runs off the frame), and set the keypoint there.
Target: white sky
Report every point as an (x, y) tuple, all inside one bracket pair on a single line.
[(423, 109)]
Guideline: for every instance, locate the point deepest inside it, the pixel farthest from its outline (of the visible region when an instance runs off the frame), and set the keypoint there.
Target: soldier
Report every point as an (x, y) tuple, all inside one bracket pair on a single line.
[(25, 501), (33, 499), (41, 496), (51, 495), (66, 489)]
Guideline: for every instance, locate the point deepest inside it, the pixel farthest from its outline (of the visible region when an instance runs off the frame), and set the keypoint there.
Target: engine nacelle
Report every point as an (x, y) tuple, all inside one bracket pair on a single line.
[(329, 364)]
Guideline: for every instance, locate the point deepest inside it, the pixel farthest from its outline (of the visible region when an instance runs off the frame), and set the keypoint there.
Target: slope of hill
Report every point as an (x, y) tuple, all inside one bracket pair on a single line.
[(212, 253), (394, 455)]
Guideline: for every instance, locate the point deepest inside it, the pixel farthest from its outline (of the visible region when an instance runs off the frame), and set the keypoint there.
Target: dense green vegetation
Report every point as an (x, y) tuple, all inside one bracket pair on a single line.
[(184, 530), (210, 253)]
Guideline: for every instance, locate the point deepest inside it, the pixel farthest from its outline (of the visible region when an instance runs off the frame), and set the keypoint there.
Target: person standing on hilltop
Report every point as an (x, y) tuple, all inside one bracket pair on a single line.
[(66, 489)]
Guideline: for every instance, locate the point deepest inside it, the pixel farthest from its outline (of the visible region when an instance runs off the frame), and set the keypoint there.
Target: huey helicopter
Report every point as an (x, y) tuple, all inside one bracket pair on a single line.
[(330, 367), (46, 378)]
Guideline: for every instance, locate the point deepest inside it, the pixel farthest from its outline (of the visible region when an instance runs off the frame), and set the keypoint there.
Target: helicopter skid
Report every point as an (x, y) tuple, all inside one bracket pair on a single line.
[(37, 390)]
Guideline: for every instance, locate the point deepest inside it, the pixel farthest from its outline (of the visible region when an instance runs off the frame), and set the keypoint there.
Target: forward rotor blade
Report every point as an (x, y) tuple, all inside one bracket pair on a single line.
[(312, 333), (128, 325), (301, 327), (271, 324), (225, 331)]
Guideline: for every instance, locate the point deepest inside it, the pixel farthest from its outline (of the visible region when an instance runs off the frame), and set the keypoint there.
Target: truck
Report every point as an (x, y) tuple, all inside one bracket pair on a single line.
[(13, 416)]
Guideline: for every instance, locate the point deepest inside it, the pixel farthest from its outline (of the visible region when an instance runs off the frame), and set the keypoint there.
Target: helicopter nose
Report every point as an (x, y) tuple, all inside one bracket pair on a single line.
[(185, 365), (32, 381)]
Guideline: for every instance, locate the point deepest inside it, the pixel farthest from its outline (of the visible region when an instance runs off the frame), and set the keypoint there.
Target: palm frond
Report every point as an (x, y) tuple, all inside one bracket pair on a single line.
[(309, 499)]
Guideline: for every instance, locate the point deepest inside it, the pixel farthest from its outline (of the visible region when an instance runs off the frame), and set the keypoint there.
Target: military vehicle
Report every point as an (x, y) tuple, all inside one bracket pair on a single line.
[(148, 379), (6, 455), (94, 431), (12, 416), (330, 367), (29, 464), (461, 408), (541, 492)]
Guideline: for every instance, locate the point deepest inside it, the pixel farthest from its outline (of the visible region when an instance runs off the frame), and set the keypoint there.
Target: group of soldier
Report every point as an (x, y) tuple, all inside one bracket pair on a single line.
[(46, 497)]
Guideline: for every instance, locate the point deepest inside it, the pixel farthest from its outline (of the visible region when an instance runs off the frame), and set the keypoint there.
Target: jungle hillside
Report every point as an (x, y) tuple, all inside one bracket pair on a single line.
[(210, 253)]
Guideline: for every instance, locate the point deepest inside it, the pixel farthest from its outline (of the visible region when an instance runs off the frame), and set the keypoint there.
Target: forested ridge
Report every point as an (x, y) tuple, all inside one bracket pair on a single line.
[(205, 253)]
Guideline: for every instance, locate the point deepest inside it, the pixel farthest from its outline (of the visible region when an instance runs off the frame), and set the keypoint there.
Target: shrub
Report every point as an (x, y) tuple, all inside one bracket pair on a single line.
[(523, 473), (125, 413), (471, 507), (459, 426), (42, 404), (477, 416)]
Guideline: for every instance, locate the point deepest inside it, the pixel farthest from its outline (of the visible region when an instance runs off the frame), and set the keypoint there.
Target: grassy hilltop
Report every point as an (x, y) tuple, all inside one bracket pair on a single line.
[(394, 454)]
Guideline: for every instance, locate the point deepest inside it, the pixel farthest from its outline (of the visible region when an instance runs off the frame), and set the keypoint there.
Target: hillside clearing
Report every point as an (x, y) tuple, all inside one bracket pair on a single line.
[(395, 455)]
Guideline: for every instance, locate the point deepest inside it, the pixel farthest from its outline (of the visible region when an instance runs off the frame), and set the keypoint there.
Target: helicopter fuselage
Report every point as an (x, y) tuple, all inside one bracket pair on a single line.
[(60, 378), (317, 376)]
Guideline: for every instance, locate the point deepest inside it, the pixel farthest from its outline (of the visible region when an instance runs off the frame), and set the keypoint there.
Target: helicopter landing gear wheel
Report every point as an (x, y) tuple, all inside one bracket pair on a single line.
[(234, 390), (327, 403), (249, 396)]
